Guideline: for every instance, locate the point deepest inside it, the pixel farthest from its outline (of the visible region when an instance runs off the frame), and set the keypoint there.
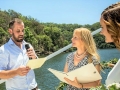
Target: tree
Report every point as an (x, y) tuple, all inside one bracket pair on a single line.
[(44, 43), (3, 36), (29, 37)]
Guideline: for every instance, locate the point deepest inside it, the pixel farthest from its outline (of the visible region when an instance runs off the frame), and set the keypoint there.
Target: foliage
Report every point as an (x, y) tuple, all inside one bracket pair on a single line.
[(61, 86), (114, 86), (58, 35), (106, 64)]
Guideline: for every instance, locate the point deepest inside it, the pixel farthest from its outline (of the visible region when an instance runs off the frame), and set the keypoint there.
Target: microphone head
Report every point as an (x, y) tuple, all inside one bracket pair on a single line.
[(27, 46)]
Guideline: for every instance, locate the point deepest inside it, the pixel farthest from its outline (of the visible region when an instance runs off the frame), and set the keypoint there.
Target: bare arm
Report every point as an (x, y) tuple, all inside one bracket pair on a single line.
[(66, 67), (6, 74)]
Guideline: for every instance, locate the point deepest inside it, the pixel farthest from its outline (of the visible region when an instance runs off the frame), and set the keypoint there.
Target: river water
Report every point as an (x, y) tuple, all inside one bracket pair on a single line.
[(47, 81)]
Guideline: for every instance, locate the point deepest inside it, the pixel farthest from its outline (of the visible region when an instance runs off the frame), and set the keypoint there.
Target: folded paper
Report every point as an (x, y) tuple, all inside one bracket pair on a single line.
[(36, 63), (85, 74)]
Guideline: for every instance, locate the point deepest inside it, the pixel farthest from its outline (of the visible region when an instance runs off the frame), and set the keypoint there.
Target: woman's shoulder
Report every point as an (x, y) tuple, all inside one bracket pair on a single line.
[(70, 55), (95, 61)]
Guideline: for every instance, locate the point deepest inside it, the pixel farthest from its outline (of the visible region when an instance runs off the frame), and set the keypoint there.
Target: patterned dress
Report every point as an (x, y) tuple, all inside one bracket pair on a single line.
[(71, 66)]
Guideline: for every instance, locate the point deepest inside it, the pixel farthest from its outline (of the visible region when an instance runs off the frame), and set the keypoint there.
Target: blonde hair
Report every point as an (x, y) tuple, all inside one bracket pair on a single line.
[(111, 17), (89, 43)]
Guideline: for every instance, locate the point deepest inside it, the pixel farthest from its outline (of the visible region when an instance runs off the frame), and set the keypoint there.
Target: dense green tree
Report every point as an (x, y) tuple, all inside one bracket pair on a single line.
[(44, 43), (47, 37), (29, 37), (3, 36)]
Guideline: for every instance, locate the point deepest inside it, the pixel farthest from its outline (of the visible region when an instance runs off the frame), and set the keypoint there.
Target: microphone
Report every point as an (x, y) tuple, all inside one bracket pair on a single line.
[(27, 47)]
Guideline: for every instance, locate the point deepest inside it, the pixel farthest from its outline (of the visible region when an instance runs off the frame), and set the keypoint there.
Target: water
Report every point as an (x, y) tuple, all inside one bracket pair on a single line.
[(47, 81)]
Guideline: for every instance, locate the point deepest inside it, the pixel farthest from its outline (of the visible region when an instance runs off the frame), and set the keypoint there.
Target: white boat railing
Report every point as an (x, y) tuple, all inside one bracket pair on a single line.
[(59, 51)]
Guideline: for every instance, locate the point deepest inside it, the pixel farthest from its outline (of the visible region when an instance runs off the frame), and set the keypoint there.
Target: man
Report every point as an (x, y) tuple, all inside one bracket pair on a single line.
[(13, 60)]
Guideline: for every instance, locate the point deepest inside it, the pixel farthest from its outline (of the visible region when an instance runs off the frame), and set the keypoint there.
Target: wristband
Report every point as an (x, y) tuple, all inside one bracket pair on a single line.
[(81, 85)]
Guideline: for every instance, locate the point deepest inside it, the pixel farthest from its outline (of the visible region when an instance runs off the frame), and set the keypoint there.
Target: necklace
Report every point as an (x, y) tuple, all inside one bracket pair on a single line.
[(79, 56)]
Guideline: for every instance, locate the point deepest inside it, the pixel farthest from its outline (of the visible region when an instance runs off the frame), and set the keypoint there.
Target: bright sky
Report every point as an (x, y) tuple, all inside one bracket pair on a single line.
[(59, 11)]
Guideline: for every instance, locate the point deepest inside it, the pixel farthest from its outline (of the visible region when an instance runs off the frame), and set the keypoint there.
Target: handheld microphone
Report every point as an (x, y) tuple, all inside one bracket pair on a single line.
[(27, 47)]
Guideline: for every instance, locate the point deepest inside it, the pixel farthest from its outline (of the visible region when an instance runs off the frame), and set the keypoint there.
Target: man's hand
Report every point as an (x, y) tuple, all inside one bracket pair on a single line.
[(22, 70), (111, 65), (31, 53)]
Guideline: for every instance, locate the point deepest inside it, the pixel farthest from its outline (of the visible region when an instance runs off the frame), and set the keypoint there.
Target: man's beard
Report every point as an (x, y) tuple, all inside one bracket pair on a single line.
[(17, 39)]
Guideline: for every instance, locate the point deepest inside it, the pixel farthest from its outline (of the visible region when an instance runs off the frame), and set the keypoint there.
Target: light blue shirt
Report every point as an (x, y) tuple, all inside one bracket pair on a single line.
[(12, 57)]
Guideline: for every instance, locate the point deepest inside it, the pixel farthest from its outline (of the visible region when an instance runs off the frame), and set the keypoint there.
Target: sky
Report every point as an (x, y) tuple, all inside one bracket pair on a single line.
[(59, 11)]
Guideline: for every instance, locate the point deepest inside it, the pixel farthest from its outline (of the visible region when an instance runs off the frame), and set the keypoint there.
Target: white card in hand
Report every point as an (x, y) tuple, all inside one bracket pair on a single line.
[(36, 63), (85, 74)]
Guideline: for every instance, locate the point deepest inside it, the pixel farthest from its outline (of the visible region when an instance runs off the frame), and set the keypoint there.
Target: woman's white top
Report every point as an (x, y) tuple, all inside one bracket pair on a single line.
[(114, 74)]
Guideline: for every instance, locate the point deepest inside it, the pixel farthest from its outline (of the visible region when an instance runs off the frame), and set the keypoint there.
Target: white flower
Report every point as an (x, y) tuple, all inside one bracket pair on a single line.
[(116, 84)]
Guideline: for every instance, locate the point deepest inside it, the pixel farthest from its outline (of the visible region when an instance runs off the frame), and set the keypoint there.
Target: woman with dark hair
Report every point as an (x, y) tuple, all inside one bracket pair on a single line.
[(110, 24)]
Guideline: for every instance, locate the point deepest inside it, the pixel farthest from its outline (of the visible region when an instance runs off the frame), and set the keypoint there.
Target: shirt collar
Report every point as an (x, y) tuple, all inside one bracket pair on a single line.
[(10, 42)]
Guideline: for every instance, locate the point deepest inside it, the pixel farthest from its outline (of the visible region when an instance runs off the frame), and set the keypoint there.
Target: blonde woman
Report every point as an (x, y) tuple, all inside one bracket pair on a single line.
[(110, 24), (86, 53)]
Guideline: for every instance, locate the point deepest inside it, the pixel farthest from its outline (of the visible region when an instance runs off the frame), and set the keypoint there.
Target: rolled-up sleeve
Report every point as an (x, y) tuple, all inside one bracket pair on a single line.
[(3, 59)]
